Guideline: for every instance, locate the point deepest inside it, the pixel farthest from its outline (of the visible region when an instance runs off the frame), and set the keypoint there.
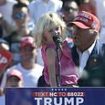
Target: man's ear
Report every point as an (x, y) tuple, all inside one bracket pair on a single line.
[(92, 32)]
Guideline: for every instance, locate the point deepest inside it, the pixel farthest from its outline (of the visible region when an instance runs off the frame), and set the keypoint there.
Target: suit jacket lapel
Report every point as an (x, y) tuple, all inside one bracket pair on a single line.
[(75, 56), (92, 60)]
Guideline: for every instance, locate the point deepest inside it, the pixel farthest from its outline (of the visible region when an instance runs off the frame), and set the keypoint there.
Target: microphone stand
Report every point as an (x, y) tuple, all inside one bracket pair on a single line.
[(58, 42), (58, 75)]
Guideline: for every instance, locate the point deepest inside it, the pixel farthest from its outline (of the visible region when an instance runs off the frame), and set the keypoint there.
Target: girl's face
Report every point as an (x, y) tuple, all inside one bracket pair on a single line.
[(48, 34)]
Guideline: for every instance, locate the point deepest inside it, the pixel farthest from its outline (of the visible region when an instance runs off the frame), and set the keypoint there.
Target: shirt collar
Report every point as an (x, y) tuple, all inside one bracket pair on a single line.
[(90, 49)]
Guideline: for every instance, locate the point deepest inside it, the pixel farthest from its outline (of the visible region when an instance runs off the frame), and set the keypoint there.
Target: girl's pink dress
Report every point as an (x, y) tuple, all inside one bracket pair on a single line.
[(68, 70)]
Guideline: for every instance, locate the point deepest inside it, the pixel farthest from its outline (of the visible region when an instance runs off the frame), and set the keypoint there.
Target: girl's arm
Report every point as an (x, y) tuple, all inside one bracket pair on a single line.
[(51, 57)]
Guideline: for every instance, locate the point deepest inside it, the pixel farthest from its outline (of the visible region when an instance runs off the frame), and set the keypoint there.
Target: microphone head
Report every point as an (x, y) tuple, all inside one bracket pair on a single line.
[(57, 39)]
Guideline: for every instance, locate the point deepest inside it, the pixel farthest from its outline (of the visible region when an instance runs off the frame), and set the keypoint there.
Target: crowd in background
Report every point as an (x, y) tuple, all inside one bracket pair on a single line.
[(26, 23)]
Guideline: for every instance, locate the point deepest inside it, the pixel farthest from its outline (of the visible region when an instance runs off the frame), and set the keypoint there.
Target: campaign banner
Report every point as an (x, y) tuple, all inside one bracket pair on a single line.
[(55, 96)]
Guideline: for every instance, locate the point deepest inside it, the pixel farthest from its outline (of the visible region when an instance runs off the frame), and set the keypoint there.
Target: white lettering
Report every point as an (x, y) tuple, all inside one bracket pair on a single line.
[(47, 101), (60, 101), (3, 60), (56, 101), (53, 94), (38, 100), (79, 100), (69, 101)]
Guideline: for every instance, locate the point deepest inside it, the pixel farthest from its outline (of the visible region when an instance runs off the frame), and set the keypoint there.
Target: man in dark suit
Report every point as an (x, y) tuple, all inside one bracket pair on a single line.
[(88, 54)]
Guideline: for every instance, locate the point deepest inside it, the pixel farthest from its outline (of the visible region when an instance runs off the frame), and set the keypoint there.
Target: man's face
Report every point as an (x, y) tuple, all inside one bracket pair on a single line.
[(83, 39), (20, 16), (28, 53), (13, 81), (70, 10)]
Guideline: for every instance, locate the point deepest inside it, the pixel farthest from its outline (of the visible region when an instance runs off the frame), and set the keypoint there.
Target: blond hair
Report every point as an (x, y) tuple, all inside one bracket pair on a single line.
[(48, 21)]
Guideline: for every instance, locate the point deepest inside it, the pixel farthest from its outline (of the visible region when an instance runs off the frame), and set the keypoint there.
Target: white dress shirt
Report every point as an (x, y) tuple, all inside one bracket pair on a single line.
[(83, 57)]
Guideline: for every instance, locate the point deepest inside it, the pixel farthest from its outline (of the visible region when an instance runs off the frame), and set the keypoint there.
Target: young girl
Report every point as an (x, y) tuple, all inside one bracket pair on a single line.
[(51, 25)]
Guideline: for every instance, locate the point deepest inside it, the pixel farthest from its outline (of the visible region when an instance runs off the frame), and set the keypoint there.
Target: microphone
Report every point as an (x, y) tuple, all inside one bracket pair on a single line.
[(58, 40)]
